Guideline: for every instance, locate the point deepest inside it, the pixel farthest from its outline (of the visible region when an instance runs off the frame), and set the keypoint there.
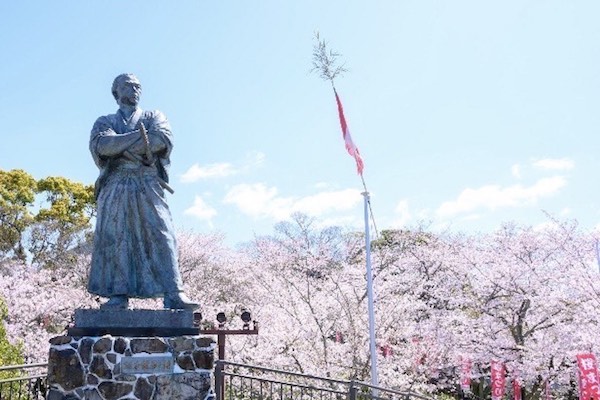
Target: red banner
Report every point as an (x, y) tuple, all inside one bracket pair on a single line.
[(588, 377), (498, 380), (516, 389), (465, 375)]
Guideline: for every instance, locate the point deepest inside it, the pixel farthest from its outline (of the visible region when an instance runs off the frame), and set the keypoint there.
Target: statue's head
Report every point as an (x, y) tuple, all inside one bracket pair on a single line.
[(126, 89)]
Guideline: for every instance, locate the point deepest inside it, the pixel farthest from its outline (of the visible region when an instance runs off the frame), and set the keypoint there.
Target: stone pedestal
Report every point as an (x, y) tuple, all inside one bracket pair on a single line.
[(125, 367), (92, 322)]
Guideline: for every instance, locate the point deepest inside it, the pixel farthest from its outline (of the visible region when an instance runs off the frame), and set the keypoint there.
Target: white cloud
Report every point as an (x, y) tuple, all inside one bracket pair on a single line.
[(258, 200), (516, 171), (201, 210), (324, 202), (322, 185), (494, 196), (345, 220), (196, 172), (472, 217), (402, 213), (253, 159), (221, 170), (555, 164), (565, 212)]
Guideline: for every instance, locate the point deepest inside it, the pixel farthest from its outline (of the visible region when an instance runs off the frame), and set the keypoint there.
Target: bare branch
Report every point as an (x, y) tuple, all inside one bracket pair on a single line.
[(325, 61)]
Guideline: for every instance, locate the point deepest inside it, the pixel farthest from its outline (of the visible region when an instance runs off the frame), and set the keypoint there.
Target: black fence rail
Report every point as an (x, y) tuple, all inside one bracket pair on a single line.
[(23, 382), (235, 381)]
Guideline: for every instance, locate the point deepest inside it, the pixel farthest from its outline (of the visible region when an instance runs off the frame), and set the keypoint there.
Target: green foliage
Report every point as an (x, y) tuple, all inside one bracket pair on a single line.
[(9, 353), (70, 202), (49, 231), (62, 226), (443, 396), (17, 194)]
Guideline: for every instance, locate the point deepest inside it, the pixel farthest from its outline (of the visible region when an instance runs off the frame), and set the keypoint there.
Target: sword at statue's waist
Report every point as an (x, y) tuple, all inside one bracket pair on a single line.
[(149, 170)]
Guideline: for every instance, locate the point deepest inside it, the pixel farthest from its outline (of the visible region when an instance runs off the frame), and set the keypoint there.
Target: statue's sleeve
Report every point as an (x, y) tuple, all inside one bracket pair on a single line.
[(159, 135), (106, 143), (161, 142)]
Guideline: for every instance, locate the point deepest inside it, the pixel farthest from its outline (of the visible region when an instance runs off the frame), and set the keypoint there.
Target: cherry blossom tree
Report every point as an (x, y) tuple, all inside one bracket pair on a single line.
[(41, 304), (527, 292), (524, 296), (214, 275), (304, 294), (519, 295)]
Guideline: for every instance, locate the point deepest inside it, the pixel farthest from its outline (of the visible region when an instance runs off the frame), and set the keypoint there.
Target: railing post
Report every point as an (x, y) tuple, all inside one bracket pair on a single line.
[(352, 391), (221, 345), (219, 381)]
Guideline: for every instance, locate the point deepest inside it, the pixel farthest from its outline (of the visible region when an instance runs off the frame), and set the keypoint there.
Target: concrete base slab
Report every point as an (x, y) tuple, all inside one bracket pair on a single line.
[(133, 322)]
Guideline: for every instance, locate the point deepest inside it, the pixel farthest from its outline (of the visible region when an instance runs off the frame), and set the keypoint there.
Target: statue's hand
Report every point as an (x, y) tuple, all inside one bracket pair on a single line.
[(138, 147)]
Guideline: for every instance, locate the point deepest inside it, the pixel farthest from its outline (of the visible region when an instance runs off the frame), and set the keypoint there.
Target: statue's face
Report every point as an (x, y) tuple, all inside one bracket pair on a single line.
[(129, 92)]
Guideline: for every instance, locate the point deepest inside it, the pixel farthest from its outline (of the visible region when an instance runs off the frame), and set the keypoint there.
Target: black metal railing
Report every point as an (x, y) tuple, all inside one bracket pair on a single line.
[(235, 381), (23, 382)]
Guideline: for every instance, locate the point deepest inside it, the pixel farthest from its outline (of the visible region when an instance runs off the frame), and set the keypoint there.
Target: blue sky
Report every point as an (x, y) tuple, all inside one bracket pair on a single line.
[(467, 113)]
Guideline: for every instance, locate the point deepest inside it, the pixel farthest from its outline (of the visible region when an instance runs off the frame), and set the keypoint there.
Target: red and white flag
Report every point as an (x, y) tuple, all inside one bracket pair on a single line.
[(350, 146), (516, 390), (588, 377), (498, 380), (465, 375)]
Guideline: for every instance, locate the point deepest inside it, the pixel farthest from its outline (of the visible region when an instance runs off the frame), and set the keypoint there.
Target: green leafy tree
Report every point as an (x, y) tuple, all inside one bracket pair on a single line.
[(9, 354), (17, 196), (47, 220), (63, 226)]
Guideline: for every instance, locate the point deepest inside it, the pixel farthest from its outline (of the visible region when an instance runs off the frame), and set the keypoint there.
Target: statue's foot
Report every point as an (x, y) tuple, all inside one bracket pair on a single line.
[(120, 302), (179, 301)]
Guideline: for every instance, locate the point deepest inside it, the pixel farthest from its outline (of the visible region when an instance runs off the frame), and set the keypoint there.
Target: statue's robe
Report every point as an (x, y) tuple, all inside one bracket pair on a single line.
[(135, 250)]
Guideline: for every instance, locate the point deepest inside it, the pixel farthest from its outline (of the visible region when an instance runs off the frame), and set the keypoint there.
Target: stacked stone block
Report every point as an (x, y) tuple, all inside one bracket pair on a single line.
[(94, 368)]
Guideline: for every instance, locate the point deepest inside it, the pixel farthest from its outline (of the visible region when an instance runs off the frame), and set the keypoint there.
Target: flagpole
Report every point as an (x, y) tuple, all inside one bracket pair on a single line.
[(362, 178), (598, 254), (353, 151), (324, 62), (372, 345)]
